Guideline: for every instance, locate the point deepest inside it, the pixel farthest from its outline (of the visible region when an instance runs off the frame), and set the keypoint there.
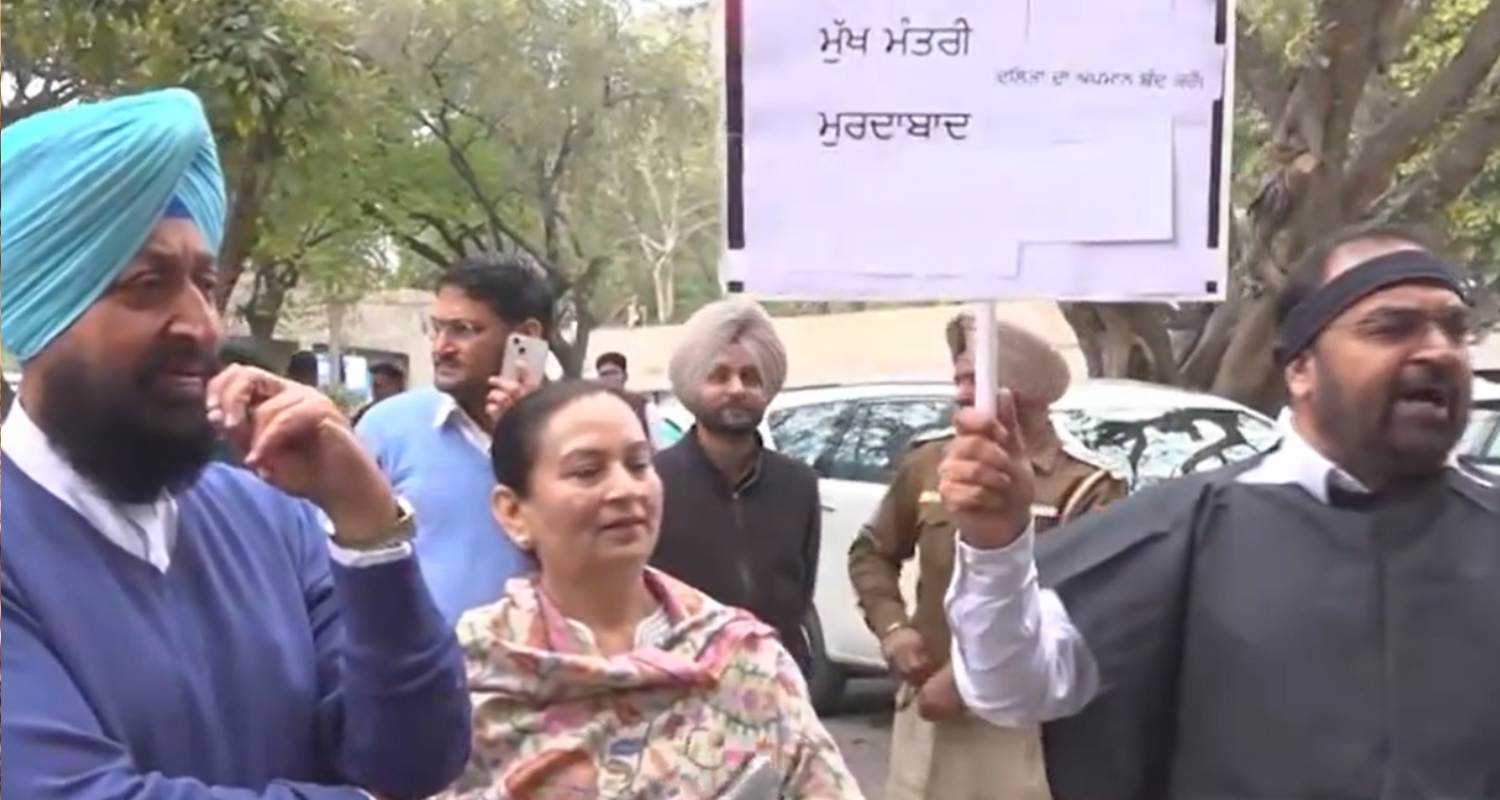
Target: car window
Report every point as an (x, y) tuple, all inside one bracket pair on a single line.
[(807, 432), (669, 433), (881, 433), (1482, 438), (1152, 446)]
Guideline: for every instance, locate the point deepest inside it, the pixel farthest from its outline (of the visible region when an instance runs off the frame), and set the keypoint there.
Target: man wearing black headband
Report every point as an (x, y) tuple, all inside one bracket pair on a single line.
[(1323, 621)]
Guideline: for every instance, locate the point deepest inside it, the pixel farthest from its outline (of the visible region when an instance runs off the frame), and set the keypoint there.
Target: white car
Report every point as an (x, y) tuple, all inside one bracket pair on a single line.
[(853, 437), (1480, 445)]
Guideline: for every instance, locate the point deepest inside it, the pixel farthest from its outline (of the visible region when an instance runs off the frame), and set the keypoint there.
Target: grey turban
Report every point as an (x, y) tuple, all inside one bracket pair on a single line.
[(1024, 362), (715, 327)]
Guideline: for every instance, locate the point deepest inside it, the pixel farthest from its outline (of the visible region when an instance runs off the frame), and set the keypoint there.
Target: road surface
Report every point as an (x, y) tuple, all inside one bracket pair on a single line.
[(862, 728)]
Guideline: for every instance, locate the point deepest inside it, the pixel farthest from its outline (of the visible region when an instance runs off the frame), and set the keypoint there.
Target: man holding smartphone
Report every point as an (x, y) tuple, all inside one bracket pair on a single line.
[(434, 442)]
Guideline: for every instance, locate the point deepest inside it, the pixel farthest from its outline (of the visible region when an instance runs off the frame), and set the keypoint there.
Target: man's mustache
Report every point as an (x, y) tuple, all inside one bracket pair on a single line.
[(179, 359), (1429, 379)]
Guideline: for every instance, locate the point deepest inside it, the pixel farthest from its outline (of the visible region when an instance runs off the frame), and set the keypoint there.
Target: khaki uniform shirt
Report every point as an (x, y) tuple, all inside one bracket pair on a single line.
[(911, 520)]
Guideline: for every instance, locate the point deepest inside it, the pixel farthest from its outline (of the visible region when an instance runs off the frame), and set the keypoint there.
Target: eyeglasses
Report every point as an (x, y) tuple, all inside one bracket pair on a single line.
[(1394, 326), (458, 330)]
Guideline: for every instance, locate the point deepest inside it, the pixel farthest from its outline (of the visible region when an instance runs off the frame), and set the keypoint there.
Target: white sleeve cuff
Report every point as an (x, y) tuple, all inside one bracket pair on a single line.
[(998, 572), (359, 559)]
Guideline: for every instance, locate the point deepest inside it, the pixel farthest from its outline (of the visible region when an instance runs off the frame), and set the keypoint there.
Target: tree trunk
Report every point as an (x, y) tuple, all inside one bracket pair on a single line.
[(1125, 340), (241, 233), (1247, 372), (337, 313), (262, 323), (571, 355), (274, 282), (1084, 318), (665, 289), (1201, 367)]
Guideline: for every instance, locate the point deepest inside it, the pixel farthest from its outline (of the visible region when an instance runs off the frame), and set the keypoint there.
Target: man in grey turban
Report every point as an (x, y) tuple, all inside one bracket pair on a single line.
[(741, 523)]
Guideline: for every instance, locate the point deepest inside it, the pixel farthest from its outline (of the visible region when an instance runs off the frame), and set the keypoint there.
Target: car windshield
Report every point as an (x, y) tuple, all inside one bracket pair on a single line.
[(1152, 446)]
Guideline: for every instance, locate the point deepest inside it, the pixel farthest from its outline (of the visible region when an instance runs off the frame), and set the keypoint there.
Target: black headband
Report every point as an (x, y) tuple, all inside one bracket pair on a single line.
[(1309, 317)]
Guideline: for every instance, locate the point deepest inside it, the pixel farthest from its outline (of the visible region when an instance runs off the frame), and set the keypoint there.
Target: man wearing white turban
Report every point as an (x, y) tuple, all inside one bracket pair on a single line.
[(174, 630), (741, 523)]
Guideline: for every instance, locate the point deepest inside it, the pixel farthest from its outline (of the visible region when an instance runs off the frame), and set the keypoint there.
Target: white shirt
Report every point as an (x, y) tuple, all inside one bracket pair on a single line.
[(1017, 658), (147, 531), (449, 411)]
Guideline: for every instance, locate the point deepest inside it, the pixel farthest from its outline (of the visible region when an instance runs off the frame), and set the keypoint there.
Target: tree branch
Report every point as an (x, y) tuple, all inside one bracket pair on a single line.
[(1454, 166), (1399, 29), (1348, 51), (466, 173), (1262, 72), (412, 243), (454, 241), (316, 234), (1442, 98)]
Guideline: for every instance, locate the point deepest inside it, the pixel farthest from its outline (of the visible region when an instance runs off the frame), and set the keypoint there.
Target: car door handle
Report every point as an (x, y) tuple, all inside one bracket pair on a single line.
[(830, 509)]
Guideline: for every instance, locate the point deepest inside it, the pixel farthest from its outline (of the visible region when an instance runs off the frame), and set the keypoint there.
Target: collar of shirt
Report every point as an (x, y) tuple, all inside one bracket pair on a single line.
[(147, 531), (449, 411), (1297, 462)]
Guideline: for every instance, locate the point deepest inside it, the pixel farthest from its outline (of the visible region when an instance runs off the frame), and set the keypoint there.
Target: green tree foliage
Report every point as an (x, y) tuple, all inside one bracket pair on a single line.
[(569, 133)]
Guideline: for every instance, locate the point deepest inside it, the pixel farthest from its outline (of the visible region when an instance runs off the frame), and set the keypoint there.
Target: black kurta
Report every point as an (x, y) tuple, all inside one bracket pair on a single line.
[(1255, 643), (754, 546)]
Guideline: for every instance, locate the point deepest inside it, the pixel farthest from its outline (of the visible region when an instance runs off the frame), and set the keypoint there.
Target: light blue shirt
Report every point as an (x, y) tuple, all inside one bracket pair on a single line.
[(438, 460)]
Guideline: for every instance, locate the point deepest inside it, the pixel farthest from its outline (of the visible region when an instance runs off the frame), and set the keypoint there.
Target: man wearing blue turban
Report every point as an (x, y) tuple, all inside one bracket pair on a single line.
[(174, 629)]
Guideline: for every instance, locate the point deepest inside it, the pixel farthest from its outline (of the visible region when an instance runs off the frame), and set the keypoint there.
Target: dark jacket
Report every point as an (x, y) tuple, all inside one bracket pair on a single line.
[(754, 546), (1255, 642)]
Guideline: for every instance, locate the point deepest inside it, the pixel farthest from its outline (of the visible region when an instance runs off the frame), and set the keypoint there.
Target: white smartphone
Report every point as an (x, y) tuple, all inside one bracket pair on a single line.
[(528, 350)]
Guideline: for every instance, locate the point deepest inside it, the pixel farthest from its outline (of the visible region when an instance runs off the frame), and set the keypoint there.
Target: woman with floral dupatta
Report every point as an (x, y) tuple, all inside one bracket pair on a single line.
[(598, 677)]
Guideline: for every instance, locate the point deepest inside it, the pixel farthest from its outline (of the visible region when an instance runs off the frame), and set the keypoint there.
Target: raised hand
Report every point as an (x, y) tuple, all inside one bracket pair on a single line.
[(505, 393), (986, 479), (296, 439)]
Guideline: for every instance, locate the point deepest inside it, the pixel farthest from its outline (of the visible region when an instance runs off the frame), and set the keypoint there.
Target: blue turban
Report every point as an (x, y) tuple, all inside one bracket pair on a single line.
[(83, 187)]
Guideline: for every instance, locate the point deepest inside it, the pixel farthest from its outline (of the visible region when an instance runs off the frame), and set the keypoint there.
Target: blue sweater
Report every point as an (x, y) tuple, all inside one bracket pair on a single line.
[(252, 668), (466, 555)]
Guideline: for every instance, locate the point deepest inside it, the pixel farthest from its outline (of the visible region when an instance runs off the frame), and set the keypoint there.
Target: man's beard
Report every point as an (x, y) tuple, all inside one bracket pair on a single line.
[(115, 433), (731, 419), (1364, 428)]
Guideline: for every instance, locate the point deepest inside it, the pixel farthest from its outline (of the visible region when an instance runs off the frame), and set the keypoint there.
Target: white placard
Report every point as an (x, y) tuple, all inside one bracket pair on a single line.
[(966, 149)]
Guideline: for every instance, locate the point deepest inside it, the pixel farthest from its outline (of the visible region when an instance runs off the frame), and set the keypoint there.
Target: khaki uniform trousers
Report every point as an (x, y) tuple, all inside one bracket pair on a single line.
[(963, 759)]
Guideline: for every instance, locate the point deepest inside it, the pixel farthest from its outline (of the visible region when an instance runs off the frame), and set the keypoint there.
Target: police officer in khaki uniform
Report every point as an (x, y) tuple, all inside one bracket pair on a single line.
[(938, 752)]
